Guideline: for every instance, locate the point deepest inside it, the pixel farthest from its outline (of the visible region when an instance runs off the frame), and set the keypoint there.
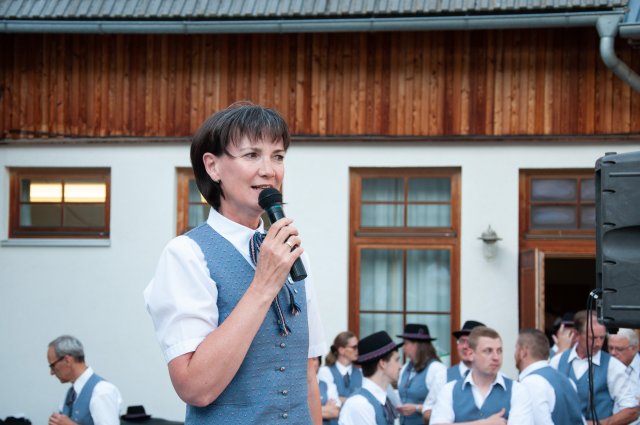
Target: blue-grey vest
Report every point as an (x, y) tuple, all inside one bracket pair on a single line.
[(464, 406), (567, 407), (355, 381), (324, 397), (271, 383), (604, 401), (381, 419), (414, 391), (453, 373), (79, 412)]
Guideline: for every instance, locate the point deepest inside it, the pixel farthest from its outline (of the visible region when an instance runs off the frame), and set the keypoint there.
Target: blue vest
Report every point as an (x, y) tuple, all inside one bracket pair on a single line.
[(453, 373), (354, 384), (414, 391), (381, 419), (81, 413), (271, 383), (324, 397), (464, 406), (567, 408), (604, 401)]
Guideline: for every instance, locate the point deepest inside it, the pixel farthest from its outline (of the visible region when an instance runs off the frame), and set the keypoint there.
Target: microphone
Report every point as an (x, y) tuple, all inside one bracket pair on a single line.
[(270, 200)]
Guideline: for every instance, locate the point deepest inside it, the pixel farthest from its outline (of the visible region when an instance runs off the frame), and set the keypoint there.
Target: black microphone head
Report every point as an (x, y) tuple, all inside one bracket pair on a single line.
[(269, 197)]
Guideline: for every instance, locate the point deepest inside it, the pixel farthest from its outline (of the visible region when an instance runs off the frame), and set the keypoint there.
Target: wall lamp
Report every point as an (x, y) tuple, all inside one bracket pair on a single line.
[(490, 245)]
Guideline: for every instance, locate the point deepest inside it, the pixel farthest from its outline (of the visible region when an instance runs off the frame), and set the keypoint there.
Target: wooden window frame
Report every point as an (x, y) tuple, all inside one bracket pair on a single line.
[(526, 233), (404, 239), (18, 232)]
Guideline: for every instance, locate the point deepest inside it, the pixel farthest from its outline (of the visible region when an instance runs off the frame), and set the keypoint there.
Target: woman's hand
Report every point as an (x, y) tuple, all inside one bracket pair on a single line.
[(280, 248)]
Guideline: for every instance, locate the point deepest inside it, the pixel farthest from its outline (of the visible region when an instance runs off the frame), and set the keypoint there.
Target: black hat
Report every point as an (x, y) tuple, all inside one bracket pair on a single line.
[(566, 320), (466, 328), (416, 332), (375, 346), (135, 413)]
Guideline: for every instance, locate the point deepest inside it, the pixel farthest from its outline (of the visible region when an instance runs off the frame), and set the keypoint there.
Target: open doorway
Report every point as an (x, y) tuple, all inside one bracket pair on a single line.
[(567, 284)]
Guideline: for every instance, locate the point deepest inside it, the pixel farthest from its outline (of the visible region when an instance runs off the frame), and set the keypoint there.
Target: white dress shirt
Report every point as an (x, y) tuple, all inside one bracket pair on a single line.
[(332, 392), (434, 379), (357, 410), (620, 387), (182, 298), (324, 373), (106, 402), (519, 413), (633, 372), (541, 393)]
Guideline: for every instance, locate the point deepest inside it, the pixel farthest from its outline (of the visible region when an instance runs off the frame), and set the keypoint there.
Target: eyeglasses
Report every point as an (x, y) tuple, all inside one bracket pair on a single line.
[(353, 347), (618, 349), (52, 365)]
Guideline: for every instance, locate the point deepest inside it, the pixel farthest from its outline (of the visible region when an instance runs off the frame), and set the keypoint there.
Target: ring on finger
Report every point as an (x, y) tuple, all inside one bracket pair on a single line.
[(289, 244)]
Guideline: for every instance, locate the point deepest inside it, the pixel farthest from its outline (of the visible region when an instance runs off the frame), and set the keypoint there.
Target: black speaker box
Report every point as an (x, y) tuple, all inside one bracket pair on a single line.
[(617, 181)]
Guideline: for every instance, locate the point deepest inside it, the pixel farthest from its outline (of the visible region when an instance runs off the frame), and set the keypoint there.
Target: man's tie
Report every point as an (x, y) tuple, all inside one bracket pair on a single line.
[(389, 411), (68, 402), (347, 380)]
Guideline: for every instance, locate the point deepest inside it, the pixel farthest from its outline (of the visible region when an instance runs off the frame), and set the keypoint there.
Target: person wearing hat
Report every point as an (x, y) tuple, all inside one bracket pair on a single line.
[(484, 396), (564, 335), (459, 371), (421, 378), (90, 400), (378, 356)]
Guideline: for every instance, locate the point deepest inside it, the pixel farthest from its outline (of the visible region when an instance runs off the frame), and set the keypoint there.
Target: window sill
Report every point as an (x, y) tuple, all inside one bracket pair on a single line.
[(55, 242)]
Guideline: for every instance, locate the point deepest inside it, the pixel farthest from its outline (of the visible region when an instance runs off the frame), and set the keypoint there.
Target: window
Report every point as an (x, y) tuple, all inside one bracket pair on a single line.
[(404, 251), (559, 203), (192, 207), (59, 203)]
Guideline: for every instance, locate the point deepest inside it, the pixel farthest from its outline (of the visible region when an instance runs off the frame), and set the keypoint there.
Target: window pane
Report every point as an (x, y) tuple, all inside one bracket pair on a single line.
[(197, 214), (553, 189), (85, 191), (588, 217), (543, 217), (194, 193), (41, 190), (383, 190), (381, 279), (428, 280), (382, 215), (440, 327), (588, 190), (429, 216), (40, 215), (370, 323), (429, 190), (83, 215)]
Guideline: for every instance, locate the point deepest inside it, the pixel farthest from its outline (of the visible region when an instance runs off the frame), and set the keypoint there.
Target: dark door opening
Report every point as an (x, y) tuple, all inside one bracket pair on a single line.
[(567, 284)]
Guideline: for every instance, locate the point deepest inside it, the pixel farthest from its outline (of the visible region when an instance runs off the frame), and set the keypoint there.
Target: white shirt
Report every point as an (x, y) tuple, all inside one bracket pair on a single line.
[(357, 410), (435, 379), (620, 387), (106, 402), (182, 298), (519, 413), (541, 393), (324, 373), (332, 392), (633, 372)]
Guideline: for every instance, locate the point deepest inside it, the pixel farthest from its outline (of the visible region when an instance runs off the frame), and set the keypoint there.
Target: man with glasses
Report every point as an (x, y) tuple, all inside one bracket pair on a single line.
[(624, 347), (614, 400), (459, 371), (90, 399)]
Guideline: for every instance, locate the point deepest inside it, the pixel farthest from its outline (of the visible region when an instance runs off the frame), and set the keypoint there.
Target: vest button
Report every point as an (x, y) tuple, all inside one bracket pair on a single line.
[(285, 415), (285, 392), (282, 368), (282, 345)]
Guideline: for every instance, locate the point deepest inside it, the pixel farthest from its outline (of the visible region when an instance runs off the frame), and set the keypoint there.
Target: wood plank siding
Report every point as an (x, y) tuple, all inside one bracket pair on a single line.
[(488, 83)]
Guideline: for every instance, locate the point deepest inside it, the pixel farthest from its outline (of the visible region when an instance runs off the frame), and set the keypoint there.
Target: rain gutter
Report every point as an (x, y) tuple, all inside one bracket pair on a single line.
[(608, 29), (417, 23)]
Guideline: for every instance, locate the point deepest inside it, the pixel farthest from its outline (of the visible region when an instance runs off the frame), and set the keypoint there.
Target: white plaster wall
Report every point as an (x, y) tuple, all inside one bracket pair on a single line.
[(95, 293)]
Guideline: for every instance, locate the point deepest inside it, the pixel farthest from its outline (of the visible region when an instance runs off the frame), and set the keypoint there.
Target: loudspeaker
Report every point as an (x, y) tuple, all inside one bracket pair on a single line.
[(617, 181)]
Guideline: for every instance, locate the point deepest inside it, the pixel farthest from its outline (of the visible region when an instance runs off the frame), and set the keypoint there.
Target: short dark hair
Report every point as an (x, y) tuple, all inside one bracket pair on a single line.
[(230, 125), (370, 367), (581, 319), (536, 341)]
